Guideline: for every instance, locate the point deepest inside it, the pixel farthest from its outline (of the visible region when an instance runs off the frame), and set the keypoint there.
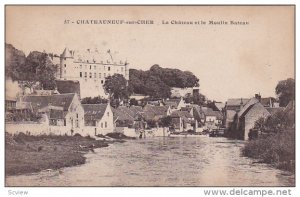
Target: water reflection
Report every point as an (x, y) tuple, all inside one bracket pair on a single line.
[(177, 161)]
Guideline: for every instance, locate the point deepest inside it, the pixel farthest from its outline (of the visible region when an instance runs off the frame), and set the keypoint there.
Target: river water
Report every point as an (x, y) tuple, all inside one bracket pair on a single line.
[(172, 161)]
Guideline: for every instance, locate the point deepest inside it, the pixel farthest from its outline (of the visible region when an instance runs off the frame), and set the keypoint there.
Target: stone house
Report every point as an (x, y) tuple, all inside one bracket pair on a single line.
[(62, 112), (98, 119)]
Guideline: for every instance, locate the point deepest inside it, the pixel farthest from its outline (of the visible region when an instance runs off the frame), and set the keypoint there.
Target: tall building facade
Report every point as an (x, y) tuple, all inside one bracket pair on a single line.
[(90, 68)]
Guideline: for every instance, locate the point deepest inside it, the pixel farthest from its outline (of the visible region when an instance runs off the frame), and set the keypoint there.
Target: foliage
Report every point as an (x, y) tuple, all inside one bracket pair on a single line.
[(133, 101), (151, 123), (156, 81), (277, 149), (20, 116), (94, 100), (196, 98), (285, 91), (165, 121), (116, 85), (35, 68), (278, 122)]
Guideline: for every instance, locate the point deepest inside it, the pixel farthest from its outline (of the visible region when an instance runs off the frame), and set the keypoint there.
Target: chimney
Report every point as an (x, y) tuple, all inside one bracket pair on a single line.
[(258, 97), (241, 104)]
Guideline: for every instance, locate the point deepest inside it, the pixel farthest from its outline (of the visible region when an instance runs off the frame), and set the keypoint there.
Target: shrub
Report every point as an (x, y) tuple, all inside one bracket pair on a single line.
[(40, 148)]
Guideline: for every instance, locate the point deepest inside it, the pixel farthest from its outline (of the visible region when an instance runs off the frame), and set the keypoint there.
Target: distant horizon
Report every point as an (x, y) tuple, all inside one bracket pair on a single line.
[(229, 61)]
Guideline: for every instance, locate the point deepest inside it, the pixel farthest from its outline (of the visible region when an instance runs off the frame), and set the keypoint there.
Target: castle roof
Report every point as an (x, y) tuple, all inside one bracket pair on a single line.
[(66, 53)]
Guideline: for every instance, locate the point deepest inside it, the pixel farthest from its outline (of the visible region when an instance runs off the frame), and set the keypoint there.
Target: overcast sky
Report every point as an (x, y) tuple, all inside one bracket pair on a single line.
[(231, 61)]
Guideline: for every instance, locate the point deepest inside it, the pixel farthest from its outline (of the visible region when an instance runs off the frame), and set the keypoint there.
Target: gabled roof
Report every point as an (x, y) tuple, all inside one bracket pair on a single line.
[(250, 107), (61, 100), (220, 106), (126, 113), (94, 111), (247, 105), (150, 112), (68, 86), (173, 103), (56, 114), (236, 101)]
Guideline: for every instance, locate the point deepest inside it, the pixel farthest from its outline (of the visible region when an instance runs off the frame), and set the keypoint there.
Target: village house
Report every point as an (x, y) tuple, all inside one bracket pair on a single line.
[(60, 114), (128, 120), (183, 121), (248, 116), (232, 106), (98, 119), (175, 103), (213, 119), (152, 114)]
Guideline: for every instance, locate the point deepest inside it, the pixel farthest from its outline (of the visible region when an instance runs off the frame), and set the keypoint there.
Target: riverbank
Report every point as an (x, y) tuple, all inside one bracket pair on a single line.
[(28, 154), (275, 149)]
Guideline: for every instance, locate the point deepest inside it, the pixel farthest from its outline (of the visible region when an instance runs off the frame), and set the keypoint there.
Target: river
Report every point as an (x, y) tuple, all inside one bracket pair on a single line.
[(172, 161)]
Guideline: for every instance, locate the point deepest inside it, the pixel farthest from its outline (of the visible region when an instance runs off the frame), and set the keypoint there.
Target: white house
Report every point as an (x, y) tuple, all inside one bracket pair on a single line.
[(61, 113), (98, 119)]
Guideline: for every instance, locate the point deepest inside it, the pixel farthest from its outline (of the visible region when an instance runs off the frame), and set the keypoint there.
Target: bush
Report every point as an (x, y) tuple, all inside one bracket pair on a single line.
[(277, 149), (40, 148)]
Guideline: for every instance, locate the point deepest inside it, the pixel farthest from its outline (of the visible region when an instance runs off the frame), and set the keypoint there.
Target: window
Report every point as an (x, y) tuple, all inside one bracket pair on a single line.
[(104, 67), (99, 75), (65, 65), (90, 75), (101, 124), (104, 75), (65, 71), (105, 124), (80, 74), (76, 115), (90, 66), (95, 75), (77, 123), (65, 58), (85, 74), (87, 61), (101, 81), (107, 113), (109, 68), (80, 66), (95, 67)]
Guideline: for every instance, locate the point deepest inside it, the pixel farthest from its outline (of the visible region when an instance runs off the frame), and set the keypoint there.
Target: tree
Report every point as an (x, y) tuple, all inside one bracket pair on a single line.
[(116, 85), (165, 121), (36, 68), (95, 100), (285, 91), (133, 101)]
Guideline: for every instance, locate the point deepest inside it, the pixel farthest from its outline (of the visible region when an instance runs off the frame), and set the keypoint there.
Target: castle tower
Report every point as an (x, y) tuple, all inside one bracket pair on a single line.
[(66, 60)]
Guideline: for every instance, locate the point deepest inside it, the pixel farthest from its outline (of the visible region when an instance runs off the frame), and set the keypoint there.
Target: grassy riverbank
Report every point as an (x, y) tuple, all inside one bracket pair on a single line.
[(28, 154), (276, 149)]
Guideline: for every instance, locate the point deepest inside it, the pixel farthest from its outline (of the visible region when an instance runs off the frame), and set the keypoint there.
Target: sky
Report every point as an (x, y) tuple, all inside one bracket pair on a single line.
[(231, 61)]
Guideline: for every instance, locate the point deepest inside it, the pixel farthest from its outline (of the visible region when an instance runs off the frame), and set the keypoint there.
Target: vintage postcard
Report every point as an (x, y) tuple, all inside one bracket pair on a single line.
[(149, 95)]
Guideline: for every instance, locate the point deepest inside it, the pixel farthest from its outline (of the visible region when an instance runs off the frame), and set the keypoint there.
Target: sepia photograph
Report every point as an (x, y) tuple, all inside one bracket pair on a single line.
[(149, 96)]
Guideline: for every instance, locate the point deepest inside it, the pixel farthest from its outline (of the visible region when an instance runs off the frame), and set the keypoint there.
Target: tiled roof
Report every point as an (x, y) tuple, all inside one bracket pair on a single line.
[(56, 114), (152, 112), (126, 113), (247, 105), (94, 111), (173, 103), (236, 101), (61, 100)]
